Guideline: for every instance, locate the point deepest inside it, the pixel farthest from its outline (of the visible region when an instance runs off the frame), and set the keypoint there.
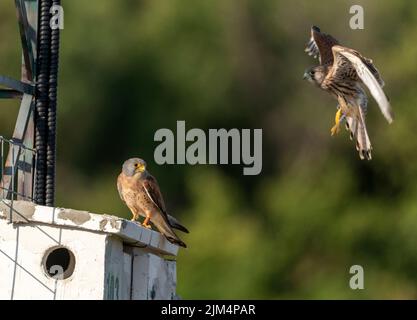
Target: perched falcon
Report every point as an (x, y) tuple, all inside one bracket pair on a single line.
[(342, 72), (140, 191)]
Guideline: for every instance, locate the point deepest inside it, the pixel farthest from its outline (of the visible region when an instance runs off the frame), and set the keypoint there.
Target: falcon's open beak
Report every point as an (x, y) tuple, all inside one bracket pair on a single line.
[(306, 76)]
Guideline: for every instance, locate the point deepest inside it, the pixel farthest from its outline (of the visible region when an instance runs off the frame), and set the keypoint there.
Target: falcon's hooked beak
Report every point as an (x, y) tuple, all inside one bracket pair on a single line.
[(139, 167), (306, 76)]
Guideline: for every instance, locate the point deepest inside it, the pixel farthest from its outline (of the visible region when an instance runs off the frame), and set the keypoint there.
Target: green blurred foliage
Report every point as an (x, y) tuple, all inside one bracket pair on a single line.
[(131, 67)]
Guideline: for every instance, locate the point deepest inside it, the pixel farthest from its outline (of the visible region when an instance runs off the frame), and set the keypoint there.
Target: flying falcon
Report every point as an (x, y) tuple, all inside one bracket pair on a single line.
[(342, 72), (140, 191)]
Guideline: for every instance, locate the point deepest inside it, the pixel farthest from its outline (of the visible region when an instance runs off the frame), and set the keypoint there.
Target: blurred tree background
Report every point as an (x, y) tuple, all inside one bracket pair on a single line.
[(131, 67)]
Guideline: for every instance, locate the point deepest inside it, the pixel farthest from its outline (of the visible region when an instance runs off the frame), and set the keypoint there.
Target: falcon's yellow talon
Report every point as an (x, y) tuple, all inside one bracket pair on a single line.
[(336, 128), (338, 116), (146, 223)]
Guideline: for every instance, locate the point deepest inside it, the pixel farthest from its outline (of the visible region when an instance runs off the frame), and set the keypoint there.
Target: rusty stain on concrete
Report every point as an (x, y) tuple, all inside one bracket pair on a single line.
[(76, 216), (113, 222), (22, 210), (124, 224), (153, 292), (103, 224)]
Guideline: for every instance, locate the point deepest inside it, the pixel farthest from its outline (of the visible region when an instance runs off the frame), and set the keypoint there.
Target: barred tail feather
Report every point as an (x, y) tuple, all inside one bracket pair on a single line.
[(363, 144), (358, 132), (174, 223), (352, 126), (162, 223)]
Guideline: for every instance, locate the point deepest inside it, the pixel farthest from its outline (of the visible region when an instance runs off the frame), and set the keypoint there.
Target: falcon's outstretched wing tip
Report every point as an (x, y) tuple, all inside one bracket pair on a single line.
[(386, 111), (315, 28), (390, 115)]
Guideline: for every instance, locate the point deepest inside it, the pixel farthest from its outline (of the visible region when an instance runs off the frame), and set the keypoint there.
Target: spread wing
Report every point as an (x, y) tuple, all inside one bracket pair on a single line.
[(320, 45), (152, 190), (369, 76)]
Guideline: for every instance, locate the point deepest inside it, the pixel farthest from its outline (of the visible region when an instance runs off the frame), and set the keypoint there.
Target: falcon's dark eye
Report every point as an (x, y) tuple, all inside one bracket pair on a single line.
[(312, 72), (136, 164)]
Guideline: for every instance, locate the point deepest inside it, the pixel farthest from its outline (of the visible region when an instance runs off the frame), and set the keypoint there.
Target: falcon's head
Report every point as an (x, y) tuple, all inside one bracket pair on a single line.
[(315, 75), (134, 166)]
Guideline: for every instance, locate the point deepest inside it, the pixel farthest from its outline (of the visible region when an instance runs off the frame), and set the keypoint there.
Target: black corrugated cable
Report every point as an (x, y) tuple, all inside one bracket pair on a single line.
[(42, 91), (51, 124)]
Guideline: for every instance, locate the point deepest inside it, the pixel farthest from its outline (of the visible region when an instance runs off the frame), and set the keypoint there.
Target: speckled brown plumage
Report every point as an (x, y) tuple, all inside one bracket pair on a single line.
[(140, 191), (342, 72)]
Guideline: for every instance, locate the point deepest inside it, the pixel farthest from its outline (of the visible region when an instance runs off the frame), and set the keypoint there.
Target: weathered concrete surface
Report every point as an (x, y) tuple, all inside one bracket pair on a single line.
[(104, 266), (23, 248), (112, 258), (153, 278), (131, 233)]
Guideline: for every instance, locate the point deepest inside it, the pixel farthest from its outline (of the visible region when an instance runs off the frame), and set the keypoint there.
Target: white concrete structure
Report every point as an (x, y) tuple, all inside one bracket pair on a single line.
[(55, 253)]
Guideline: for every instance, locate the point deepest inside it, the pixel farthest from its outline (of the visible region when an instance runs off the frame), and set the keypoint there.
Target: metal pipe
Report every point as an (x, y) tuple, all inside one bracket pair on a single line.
[(12, 187)]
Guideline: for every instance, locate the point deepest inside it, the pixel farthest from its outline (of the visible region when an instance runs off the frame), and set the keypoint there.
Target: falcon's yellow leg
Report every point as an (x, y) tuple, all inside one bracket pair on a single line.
[(335, 129), (146, 223)]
